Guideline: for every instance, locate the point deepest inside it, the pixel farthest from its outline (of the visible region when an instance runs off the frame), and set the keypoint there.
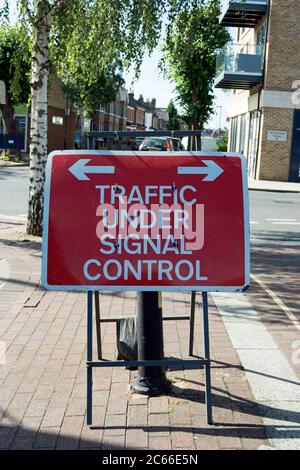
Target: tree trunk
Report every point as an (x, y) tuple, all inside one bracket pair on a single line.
[(195, 140), (192, 144), (7, 111), (39, 124)]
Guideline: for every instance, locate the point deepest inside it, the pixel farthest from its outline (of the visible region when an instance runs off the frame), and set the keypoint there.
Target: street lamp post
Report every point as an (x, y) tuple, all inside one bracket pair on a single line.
[(67, 114), (220, 120)]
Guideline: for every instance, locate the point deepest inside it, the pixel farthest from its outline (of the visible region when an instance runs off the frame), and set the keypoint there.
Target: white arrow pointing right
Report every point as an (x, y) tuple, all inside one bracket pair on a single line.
[(212, 170)]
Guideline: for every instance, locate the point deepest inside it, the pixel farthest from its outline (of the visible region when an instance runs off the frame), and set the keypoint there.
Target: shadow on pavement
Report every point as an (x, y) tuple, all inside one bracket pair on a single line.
[(220, 365), (237, 403), (274, 236), (18, 437), (24, 244), (14, 436), (9, 171), (222, 428)]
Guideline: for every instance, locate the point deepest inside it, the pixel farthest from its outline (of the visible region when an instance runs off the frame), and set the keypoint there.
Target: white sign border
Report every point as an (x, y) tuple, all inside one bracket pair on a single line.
[(118, 288)]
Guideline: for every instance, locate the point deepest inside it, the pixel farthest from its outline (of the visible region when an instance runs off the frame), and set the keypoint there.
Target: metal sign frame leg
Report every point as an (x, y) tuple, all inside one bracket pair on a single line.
[(89, 382), (98, 324), (208, 401), (91, 364), (192, 323)]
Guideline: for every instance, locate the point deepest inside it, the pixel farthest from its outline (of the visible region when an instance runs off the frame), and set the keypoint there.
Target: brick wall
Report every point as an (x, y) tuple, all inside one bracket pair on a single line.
[(56, 97), (274, 160), (130, 114), (140, 117), (283, 55), (155, 122), (57, 132), (57, 104)]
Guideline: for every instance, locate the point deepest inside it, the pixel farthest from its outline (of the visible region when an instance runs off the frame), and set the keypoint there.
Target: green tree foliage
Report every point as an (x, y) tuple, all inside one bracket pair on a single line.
[(190, 59), (97, 38), (4, 11), (85, 39), (101, 92), (223, 142), (174, 118), (14, 70), (90, 77)]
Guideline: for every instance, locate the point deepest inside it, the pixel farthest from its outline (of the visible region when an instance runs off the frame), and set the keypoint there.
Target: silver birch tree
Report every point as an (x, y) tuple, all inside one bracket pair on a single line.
[(126, 27), (40, 15)]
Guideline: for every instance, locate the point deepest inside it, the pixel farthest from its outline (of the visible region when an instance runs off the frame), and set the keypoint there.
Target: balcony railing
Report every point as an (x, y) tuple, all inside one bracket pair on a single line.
[(239, 66), (243, 13)]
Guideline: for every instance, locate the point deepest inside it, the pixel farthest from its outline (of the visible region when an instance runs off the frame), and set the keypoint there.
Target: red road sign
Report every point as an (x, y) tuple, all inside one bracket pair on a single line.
[(146, 221)]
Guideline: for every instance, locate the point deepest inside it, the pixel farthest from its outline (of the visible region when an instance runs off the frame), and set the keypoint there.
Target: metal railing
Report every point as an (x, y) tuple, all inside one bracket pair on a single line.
[(130, 140), (12, 141), (242, 58)]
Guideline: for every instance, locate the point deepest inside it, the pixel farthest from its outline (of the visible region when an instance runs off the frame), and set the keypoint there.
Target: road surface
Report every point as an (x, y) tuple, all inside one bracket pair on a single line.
[(275, 217), (13, 192)]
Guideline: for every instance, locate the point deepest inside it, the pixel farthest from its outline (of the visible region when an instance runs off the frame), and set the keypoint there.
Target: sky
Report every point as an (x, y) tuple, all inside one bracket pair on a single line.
[(152, 84)]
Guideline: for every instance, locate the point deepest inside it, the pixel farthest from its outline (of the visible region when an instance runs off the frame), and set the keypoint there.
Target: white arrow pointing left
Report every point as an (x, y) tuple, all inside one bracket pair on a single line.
[(80, 169)]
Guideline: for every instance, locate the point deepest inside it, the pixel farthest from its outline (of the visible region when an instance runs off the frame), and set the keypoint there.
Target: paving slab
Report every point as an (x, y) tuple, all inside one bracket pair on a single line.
[(44, 380), (273, 186), (273, 382)]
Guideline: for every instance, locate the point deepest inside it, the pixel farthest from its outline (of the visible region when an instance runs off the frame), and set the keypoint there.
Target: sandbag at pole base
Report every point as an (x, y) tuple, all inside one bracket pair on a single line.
[(151, 386)]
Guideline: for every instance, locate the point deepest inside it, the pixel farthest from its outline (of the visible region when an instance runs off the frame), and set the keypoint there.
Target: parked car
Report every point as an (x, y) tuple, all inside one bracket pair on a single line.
[(169, 144), (137, 142)]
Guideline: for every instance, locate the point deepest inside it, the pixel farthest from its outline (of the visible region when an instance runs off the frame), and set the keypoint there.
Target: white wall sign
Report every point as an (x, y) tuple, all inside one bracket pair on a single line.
[(277, 136), (58, 120)]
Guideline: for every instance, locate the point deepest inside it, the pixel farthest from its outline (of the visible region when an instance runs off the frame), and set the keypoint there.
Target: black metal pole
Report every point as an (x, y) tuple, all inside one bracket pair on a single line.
[(207, 358), (150, 380), (89, 357), (199, 143), (192, 323)]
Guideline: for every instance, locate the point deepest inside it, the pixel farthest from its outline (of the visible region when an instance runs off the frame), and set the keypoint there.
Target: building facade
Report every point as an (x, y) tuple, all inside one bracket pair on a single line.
[(163, 117), (111, 116), (13, 124), (62, 118), (262, 68), (144, 116), (64, 124)]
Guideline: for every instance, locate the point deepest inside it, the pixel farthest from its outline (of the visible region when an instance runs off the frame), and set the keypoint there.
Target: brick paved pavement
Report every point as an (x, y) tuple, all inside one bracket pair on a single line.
[(42, 384)]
